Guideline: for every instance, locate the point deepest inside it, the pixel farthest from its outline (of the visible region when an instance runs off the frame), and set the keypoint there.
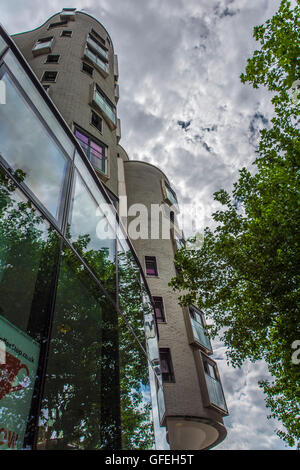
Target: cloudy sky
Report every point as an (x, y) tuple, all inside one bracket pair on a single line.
[(183, 108)]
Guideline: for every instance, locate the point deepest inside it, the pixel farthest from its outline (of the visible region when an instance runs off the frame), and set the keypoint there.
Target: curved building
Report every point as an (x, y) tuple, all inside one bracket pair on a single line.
[(72, 56)]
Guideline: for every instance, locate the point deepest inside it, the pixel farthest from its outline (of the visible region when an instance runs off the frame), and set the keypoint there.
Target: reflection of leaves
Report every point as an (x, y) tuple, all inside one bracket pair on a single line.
[(136, 420), (81, 402)]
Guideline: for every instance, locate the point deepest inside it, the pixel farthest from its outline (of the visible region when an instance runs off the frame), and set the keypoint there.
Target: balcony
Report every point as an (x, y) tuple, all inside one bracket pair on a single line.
[(200, 335), (215, 392), (95, 59), (97, 47)]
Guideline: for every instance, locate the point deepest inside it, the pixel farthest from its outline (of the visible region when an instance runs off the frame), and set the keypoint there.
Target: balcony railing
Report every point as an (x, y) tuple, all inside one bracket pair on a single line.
[(201, 335), (98, 48), (95, 59), (215, 392)]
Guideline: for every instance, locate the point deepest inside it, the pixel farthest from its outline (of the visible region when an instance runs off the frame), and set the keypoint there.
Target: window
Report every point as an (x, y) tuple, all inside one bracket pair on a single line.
[(214, 386), (66, 33), (171, 196), (57, 24), (166, 365), (96, 59), (95, 150), (68, 14), (49, 76), (43, 45), (199, 329), (96, 121), (24, 138), (159, 309), (87, 69), (52, 59), (106, 106), (96, 45), (151, 266), (46, 88), (98, 36)]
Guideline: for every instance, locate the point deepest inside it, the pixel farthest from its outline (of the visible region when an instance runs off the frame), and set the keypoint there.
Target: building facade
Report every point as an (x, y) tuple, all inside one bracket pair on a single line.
[(109, 359)]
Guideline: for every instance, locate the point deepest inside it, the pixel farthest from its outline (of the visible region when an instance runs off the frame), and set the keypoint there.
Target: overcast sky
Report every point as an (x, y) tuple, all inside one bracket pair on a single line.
[(183, 108)]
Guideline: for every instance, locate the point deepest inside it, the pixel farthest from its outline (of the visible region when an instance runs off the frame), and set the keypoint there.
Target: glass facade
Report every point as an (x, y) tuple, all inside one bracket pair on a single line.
[(77, 325)]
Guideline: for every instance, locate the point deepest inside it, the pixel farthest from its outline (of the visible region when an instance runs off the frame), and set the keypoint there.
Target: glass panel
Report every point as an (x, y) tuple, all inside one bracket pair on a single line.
[(90, 232), (98, 48), (104, 105), (136, 416), (26, 146), (138, 311), (200, 334), (39, 103), (82, 137), (171, 195), (80, 407), (94, 58), (41, 44), (28, 256), (3, 45), (215, 392)]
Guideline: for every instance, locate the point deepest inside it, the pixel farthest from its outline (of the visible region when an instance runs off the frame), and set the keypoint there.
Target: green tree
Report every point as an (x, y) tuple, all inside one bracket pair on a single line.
[(246, 273)]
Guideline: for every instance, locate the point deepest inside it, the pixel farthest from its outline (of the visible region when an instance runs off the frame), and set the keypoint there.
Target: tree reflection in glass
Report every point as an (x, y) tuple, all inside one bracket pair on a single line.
[(28, 255)]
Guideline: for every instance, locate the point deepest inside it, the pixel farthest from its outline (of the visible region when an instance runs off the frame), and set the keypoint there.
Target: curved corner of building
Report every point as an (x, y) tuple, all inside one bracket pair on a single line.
[(194, 433)]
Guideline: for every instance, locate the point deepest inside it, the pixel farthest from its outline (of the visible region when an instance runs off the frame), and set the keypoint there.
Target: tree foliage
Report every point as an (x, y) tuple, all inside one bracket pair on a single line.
[(246, 273)]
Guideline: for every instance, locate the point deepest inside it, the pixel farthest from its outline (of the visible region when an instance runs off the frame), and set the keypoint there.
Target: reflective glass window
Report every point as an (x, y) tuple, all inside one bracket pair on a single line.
[(28, 257), (90, 231), (39, 102), (27, 145), (81, 402)]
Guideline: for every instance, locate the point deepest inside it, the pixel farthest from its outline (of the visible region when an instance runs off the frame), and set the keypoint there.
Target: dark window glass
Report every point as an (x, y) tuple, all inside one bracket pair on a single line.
[(159, 309), (27, 145), (57, 24), (49, 76), (66, 33), (87, 68), (98, 36), (197, 316), (96, 121), (151, 267), (28, 258), (52, 58), (166, 365), (96, 151), (81, 402)]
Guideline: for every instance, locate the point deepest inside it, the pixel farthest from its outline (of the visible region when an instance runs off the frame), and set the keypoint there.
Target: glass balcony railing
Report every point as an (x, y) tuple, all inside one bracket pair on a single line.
[(201, 335), (95, 59), (101, 102), (98, 48), (215, 392)]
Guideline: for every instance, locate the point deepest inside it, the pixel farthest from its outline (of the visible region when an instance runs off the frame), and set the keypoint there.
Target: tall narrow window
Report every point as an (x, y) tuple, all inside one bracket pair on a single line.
[(94, 149), (166, 365), (151, 266), (96, 121), (159, 310), (87, 69)]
